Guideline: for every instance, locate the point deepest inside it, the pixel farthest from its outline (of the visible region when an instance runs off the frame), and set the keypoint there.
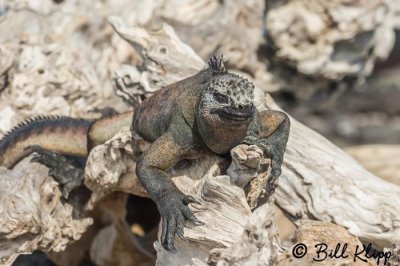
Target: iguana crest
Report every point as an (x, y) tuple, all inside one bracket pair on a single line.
[(216, 63)]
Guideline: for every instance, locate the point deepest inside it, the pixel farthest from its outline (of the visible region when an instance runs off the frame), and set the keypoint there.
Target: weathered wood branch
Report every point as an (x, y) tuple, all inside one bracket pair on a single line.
[(382, 160), (32, 214)]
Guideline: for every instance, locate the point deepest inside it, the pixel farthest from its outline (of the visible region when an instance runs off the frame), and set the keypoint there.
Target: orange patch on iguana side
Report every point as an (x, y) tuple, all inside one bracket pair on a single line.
[(269, 122)]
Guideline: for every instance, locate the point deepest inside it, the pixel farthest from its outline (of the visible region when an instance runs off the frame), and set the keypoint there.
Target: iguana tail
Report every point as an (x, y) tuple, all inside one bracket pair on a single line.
[(59, 134), (69, 136)]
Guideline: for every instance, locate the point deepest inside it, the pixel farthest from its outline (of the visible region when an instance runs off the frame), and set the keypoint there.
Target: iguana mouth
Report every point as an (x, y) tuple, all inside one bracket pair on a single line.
[(234, 114)]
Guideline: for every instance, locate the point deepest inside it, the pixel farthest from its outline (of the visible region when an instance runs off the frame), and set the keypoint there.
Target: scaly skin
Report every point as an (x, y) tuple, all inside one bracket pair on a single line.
[(69, 136), (211, 111), (58, 134)]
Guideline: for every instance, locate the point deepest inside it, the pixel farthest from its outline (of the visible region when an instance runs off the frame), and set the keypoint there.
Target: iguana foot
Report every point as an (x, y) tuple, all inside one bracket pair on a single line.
[(275, 173), (275, 153), (273, 134), (65, 170), (174, 211)]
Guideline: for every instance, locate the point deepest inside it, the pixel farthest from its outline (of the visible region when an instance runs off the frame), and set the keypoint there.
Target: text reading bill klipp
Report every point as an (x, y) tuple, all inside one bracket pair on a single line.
[(322, 251)]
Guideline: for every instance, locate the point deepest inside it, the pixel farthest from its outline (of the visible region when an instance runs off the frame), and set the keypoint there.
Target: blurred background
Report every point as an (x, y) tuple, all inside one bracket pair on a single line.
[(334, 65)]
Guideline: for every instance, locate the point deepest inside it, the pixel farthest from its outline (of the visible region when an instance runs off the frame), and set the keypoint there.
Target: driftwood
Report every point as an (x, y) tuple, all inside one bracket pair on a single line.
[(318, 37), (382, 160), (319, 181), (316, 236), (32, 214), (34, 217), (44, 70), (395, 250), (322, 182), (324, 44)]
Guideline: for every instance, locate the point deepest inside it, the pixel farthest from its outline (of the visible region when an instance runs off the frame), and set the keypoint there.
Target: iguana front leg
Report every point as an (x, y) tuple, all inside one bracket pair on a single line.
[(172, 204), (270, 131)]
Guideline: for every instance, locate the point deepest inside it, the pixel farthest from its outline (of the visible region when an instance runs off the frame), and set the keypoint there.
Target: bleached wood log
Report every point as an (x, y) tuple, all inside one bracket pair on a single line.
[(163, 54), (108, 223), (230, 27), (34, 217), (59, 70), (382, 160), (32, 214), (320, 181), (259, 243), (327, 43), (395, 251), (331, 39), (310, 237)]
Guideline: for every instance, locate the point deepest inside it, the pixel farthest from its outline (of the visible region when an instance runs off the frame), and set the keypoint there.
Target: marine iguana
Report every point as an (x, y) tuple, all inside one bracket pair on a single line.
[(212, 111)]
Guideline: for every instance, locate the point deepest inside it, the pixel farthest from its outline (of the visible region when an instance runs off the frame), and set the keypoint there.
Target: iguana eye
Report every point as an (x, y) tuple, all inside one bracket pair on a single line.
[(221, 98)]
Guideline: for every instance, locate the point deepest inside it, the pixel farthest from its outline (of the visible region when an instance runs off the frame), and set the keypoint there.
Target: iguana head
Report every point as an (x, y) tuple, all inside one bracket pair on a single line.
[(225, 109)]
